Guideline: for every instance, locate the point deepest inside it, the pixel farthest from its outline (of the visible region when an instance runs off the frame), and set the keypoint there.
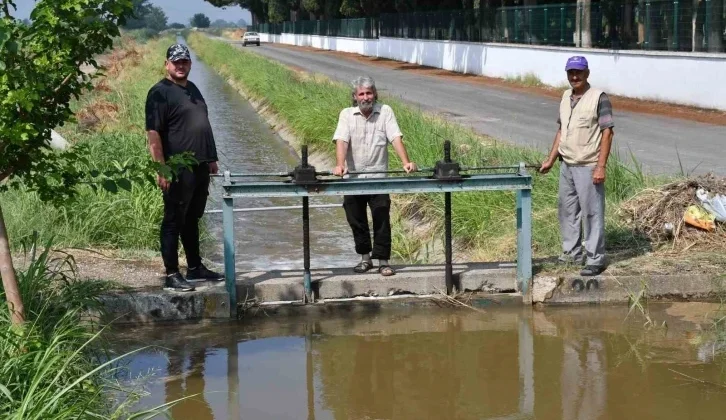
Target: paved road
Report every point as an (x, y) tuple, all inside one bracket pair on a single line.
[(526, 119)]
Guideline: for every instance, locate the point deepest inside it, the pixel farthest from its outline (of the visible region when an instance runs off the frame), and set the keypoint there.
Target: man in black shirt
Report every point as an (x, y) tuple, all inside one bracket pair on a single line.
[(176, 122)]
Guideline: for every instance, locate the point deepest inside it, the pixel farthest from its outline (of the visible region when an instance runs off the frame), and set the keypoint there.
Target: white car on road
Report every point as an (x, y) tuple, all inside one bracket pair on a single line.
[(250, 38)]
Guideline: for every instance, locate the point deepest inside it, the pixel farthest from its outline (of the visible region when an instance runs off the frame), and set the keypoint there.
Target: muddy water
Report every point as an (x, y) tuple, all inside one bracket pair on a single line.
[(581, 363), (245, 144)]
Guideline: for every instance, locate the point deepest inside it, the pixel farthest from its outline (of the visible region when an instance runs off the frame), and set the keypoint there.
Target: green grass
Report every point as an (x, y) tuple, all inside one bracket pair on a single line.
[(483, 222), (126, 220), (56, 366)]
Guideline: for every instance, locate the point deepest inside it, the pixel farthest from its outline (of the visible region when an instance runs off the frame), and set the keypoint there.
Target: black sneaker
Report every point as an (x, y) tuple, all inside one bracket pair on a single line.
[(202, 273), (592, 270), (175, 282)]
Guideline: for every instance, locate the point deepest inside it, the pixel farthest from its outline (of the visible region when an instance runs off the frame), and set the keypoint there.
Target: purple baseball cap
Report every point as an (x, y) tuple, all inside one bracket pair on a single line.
[(577, 62)]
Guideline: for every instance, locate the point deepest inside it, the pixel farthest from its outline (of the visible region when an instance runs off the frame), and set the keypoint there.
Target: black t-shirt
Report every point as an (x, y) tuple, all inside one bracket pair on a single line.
[(179, 114)]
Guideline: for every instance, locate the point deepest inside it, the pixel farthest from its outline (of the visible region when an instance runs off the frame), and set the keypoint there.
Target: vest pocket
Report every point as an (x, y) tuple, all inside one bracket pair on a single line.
[(583, 122)]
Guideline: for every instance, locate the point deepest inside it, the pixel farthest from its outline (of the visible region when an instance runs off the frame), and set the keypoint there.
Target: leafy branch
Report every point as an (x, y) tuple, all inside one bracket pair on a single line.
[(38, 63)]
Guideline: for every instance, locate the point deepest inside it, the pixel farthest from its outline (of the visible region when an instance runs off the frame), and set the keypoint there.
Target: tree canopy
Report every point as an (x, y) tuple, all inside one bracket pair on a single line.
[(199, 20), (146, 15)]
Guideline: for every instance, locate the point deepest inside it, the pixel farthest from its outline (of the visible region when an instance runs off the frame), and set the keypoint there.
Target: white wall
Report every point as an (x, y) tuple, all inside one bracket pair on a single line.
[(697, 79), (350, 45)]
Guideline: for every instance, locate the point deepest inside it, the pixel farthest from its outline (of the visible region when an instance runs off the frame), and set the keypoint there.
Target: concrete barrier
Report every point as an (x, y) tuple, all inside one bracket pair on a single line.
[(339, 291), (676, 77)]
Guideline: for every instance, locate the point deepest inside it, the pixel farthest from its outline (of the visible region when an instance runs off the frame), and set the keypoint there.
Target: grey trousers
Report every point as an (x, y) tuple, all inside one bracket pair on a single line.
[(581, 207)]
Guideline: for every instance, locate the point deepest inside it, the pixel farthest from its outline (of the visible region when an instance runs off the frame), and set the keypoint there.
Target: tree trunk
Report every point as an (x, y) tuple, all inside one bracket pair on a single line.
[(668, 14), (582, 23), (696, 39), (505, 26), (641, 23), (715, 27), (628, 20), (7, 272)]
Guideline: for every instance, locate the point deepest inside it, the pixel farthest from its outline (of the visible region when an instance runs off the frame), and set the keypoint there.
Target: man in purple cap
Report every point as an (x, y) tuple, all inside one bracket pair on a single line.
[(177, 121), (582, 144)]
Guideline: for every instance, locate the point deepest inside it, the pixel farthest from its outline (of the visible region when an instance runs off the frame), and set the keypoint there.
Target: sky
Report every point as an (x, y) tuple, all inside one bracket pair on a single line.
[(176, 10)]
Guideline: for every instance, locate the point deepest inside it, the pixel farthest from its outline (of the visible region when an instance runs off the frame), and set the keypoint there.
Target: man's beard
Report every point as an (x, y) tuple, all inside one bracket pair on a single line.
[(366, 106)]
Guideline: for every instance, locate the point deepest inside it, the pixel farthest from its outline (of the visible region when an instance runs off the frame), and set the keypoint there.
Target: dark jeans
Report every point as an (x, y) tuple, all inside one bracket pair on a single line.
[(355, 212), (184, 204)]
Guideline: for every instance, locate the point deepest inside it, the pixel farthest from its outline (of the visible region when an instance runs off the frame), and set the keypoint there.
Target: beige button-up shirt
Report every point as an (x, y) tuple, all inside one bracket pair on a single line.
[(367, 138)]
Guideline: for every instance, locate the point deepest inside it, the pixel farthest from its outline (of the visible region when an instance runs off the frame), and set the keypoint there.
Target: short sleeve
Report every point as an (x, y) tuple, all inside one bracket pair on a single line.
[(605, 112), (342, 131), (155, 111), (392, 129)]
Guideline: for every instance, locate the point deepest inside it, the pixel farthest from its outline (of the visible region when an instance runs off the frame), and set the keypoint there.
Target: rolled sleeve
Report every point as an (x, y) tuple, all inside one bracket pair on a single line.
[(392, 129), (342, 131)]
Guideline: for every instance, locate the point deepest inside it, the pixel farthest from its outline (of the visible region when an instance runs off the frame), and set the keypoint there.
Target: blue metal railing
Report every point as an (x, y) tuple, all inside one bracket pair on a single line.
[(517, 179)]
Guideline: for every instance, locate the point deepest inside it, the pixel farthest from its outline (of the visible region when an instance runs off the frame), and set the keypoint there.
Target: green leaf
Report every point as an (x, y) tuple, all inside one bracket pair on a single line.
[(124, 184), (110, 186), (5, 391), (151, 178), (94, 173)]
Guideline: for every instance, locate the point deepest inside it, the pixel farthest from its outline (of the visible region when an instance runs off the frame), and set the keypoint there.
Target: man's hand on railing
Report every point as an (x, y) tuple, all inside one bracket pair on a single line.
[(340, 170)]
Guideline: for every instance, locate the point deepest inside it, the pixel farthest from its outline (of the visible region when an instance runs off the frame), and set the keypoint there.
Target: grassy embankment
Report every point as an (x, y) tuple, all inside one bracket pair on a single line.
[(56, 366), (110, 120), (483, 223)]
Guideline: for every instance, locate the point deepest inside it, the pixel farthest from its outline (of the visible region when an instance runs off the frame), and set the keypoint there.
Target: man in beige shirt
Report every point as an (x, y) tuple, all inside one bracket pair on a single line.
[(582, 144), (362, 137)]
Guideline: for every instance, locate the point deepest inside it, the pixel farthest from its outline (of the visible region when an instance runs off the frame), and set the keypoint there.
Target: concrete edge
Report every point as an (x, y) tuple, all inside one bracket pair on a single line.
[(211, 301), (605, 289)]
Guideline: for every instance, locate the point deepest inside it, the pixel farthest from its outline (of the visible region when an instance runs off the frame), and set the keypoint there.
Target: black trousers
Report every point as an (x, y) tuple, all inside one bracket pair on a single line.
[(355, 211), (184, 204)]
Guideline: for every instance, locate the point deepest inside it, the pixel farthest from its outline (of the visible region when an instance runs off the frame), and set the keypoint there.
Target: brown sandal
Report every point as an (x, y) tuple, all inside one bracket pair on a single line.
[(386, 270)]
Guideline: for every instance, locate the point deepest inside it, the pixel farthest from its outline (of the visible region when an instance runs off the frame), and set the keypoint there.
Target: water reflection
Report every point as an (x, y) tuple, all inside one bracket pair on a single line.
[(584, 364), (183, 379), (584, 389)]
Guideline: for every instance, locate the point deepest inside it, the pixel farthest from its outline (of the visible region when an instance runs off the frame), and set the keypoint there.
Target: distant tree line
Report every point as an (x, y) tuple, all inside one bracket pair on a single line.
[(200, 20), (148, 16), (276, 11), (696, 22)]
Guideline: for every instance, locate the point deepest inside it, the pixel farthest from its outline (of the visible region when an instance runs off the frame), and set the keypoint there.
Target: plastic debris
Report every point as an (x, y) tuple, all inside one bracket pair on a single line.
[(700, 218), (715, 205)]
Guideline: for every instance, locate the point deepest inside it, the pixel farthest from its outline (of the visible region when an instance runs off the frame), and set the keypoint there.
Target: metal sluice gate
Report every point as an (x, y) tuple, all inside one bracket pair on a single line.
[(446, 177)]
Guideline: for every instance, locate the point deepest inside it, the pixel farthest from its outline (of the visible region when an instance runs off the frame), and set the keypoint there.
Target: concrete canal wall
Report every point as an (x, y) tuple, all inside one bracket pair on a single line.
[(482, 285)]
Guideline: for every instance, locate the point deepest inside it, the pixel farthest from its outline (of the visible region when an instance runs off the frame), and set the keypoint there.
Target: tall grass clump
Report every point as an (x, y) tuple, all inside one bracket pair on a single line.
[(482, 222), (527, 80), (110, 122), (142, 34), (55, 365)]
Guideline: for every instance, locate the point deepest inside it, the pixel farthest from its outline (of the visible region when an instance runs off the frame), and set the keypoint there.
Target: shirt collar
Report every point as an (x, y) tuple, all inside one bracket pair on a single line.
[(376, 109)]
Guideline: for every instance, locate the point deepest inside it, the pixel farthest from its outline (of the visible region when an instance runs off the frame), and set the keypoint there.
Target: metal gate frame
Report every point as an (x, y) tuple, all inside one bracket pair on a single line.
[(520, 182)]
